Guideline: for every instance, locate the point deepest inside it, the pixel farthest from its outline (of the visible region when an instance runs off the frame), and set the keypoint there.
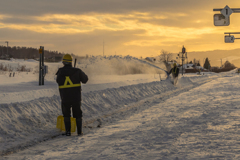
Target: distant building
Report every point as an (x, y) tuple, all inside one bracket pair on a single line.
[(191, 68)]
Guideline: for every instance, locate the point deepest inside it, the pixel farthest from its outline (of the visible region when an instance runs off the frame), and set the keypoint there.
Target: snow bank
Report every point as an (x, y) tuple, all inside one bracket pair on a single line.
[(183, 82), (24, 123)]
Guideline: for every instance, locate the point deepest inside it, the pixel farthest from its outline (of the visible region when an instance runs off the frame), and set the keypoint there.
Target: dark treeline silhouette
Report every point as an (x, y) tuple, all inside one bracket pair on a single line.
[(29, 53), (227, 66)]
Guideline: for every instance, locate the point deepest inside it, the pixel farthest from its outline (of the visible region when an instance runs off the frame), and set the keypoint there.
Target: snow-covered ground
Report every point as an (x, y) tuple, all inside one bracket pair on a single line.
[(142, 115)]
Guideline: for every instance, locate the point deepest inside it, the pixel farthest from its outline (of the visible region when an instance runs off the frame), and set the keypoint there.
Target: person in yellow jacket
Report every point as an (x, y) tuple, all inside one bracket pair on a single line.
[(69, 80), (175, 72)]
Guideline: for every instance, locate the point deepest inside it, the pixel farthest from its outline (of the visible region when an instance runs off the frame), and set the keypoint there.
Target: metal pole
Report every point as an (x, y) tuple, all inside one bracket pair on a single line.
[(231, 33), (40, 71), (42, 65), (235, 10), (75, 62), (182, 63)]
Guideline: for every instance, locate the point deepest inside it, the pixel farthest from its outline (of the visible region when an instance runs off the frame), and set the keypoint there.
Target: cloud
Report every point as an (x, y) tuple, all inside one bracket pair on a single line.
[(136, 27), (71, 24), (30, 7)]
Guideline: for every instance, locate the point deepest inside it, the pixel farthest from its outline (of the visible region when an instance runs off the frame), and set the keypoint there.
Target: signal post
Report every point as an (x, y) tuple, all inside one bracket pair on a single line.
[(42, 67), (223, 19), (182, 55)]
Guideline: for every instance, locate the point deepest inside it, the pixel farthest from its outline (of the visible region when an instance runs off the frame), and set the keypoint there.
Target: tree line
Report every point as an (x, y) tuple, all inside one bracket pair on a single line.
[(18, 52)]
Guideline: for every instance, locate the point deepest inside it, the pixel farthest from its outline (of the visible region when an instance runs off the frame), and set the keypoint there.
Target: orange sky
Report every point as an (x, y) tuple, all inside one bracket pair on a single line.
[(127, 27)]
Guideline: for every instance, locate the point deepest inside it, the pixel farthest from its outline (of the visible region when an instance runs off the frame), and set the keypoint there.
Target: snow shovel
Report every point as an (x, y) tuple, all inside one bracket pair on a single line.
[(61, 125)]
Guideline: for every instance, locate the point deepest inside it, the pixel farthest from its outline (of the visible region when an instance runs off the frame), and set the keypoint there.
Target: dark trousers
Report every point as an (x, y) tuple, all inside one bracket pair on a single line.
[(76, 109), (77, 113)]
